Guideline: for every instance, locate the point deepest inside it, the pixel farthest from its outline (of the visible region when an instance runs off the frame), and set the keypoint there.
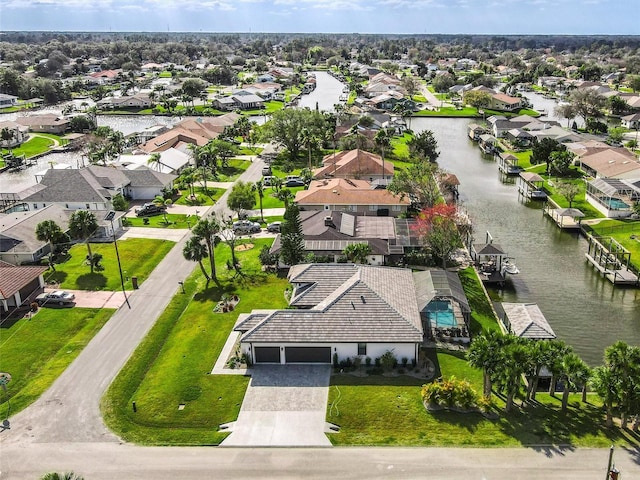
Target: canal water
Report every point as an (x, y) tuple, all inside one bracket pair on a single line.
[(583, 309)]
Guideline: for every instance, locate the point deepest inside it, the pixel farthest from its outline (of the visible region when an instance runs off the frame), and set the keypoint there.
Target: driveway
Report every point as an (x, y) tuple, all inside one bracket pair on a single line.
[(285, 405), (173, 234), (99, 299)]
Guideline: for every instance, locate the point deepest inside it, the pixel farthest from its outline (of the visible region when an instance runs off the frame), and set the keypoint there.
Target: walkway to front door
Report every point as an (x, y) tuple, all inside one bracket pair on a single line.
[(285, 405)]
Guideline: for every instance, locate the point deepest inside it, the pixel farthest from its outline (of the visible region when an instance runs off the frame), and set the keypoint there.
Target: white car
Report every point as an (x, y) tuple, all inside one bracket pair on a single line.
[(245, 226), (59, 297)]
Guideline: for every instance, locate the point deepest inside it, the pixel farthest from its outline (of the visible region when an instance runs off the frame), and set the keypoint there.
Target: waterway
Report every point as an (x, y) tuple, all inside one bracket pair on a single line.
[(583, 309)]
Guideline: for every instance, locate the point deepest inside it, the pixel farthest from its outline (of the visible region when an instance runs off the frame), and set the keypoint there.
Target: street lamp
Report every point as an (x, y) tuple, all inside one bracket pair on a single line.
[(109, 217)]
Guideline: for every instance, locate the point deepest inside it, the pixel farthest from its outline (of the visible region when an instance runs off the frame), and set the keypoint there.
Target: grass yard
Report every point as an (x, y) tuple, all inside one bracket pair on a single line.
[(448, 112), (172, 364), (482, 315), (203, 197), (379, 410), (174, 221), (31, 147), (138, 256), (269, 201), (36, 350), (579, 202), (233, 170)]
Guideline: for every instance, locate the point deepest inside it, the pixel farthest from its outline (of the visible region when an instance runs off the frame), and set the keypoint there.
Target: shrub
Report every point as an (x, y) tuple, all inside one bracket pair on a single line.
[(335, 360), (450, 393), (368, 361), (357, 361), (377, 362), (388, 360), (405, 360)]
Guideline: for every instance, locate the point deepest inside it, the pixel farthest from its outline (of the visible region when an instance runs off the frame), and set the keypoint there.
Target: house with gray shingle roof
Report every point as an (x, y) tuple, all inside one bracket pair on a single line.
[(526, 320), (338, 309)]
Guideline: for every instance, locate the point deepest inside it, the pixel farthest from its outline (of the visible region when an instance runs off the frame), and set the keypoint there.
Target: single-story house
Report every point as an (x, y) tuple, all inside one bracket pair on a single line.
[(171, 161), (18, 242), (610, 163), (354, 196), (45, 123), (338, 311), (173, 138), (18, 284), (631, 121), (520, 138), (139, 100), (241, 100), (354, 164), (19, 134), (503, 102), (7, 100)]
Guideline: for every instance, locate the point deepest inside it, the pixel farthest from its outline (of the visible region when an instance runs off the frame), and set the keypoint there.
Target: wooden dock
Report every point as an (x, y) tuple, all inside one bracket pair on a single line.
[(612, 261)]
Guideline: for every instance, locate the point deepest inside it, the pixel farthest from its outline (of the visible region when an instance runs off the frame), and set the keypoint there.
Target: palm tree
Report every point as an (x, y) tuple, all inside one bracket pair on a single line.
[(61, 476), (484, 353), (208, 229), (571, 367), (199, 156), (259, 188), (285, 195), (154, 161), (512, 366), (82, 225), (605, 383), (558, 349), (357, 252), (383, 141), (49, 231), (308, 139), (196, 251), (624, 362), (538, 358), (7, 135), (276, 184)]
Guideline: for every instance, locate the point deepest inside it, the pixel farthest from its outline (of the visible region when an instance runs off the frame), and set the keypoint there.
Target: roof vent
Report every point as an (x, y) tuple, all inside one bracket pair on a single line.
[(328, 221), (362, 299)]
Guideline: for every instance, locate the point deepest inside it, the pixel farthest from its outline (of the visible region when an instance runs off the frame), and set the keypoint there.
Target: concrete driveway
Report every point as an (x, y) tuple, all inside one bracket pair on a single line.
[(93, 299), (285, 405)]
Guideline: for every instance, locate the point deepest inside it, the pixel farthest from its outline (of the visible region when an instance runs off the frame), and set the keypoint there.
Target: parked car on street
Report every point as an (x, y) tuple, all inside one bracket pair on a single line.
[(274, 227), (59, 298), (242, 227), (150, 209)]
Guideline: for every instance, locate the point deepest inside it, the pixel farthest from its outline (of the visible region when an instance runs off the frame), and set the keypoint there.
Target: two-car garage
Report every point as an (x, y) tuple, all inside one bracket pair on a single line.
[(297, 354)]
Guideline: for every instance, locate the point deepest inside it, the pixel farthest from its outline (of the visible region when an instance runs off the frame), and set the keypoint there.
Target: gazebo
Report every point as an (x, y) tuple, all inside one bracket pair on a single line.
[(530, 186), (565, 217)]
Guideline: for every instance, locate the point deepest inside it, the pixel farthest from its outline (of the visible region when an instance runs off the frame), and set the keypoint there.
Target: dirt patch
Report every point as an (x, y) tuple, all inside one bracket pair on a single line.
[(244, 247)]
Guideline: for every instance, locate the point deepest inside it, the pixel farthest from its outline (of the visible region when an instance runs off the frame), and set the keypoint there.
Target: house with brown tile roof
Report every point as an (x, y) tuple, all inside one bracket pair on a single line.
[(611, 163), (174, 138), (358, 164), (355, 196), (18, 284), (504, 102)]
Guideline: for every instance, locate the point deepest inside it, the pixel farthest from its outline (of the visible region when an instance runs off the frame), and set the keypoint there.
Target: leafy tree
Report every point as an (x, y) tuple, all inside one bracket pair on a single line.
[(542, 150), (82, 123), (565, 110), (196, 251), (82, 225), (477, 99), (119, 203), (357, 252), (411, 84), (561, 161), (219, 150), (617, 105), (616, 134), (242, 197), (292, 238), (207, 230), (587, 103), (438, 229), (633, 81), (286, 128), (50, 231), (418, 183), (267, 258), (424, 146), (7, 135), (442, 83), (569, 191)]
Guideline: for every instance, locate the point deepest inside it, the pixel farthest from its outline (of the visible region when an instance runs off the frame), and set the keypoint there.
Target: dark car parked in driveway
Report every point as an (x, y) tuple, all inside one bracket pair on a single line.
[(150, 209), (274, 227)]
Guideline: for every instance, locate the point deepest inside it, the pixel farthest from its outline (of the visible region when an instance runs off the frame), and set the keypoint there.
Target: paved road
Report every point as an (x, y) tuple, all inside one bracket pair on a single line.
[(97, 461), (69, 410)]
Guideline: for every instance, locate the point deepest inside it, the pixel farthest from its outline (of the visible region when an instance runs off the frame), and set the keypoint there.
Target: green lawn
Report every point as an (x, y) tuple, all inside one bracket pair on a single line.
[(31, 147), (36, 350), (172, 364), (482, 315), (269, 201), (138, 257), (379, 410), (203, 197), (175, 220), (579, 202), (234, 169)]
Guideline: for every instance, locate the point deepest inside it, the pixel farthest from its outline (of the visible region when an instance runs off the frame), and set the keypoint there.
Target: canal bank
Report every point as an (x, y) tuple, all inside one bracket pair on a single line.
[(584, 309)]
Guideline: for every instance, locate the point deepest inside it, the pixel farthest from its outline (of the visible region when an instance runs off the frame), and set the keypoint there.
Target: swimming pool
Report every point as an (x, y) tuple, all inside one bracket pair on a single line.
[(440, 314), (617, 204)]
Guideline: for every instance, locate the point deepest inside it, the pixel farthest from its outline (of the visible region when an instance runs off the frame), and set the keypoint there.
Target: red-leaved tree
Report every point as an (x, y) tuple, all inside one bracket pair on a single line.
[(438, 229)]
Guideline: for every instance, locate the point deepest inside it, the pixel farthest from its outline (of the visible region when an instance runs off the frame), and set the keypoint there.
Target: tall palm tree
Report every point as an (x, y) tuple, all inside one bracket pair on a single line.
[(571, 367), (49, 231), (383, 141), (308, 139), (208, 229), (605, 383), (82, 225), (624, 362), (484, 353), (259, 188), (512, 366), (558, 349), (538, 358), (196, 251), (199, 156), (285, 195)]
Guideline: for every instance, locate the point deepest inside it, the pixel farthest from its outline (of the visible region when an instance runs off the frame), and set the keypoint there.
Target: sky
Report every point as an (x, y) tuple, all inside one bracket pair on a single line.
[(569, 17)]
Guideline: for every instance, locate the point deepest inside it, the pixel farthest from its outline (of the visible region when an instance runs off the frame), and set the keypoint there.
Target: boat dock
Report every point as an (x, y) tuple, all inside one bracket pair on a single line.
[(508, 164), (530, 186), (612, 261), (565, 218), (491, 261)]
